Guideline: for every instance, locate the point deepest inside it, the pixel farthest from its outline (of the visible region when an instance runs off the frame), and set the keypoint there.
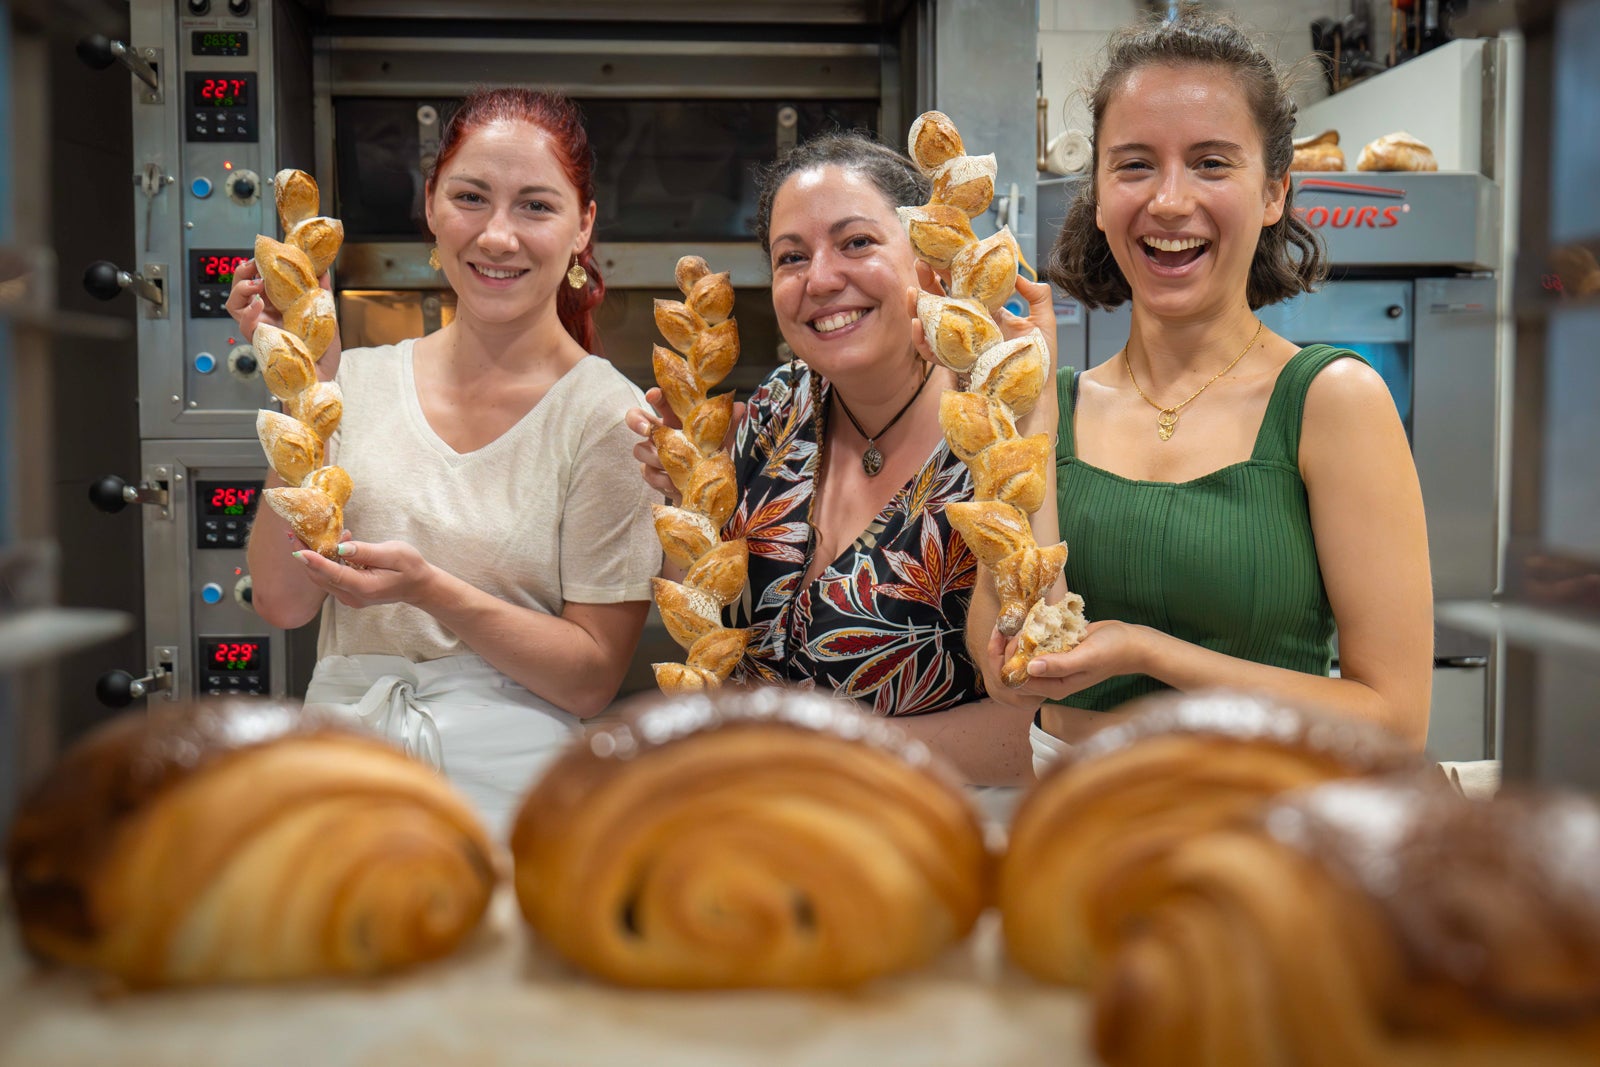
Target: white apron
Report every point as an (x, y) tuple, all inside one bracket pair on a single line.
[(1047, 748), (491, 737)]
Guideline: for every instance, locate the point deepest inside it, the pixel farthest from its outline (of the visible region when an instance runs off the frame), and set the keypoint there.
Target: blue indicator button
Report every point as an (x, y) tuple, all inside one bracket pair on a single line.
[(200, 187), (211, 593), (205, 363)]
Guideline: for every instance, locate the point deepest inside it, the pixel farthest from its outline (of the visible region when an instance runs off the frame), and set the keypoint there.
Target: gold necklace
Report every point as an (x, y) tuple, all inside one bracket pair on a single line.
[(1167, 420)]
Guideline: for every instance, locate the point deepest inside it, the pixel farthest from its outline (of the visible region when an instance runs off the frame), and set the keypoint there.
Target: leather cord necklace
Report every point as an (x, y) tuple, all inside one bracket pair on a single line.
[(872, 459)]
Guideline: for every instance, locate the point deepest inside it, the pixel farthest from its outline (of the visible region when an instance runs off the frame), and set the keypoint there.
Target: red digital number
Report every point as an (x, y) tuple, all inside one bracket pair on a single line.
[(238, 88)]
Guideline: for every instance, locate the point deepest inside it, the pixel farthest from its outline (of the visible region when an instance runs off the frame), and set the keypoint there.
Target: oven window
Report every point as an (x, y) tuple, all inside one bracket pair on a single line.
[(665, 170)]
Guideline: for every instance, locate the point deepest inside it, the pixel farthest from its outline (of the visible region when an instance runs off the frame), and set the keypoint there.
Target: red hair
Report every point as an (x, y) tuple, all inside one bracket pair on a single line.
[(562, 122)]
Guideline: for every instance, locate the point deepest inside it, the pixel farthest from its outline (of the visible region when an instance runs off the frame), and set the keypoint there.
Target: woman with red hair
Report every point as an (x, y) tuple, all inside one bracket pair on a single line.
[(502, 575)]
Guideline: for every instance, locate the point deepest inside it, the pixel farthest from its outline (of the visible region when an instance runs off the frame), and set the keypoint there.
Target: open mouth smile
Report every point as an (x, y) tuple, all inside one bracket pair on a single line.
[(1174, 253), (838, 320), (498, 274)]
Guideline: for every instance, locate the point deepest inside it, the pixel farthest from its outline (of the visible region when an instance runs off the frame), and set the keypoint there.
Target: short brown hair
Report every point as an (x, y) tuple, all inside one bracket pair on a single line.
[(1289, 259)]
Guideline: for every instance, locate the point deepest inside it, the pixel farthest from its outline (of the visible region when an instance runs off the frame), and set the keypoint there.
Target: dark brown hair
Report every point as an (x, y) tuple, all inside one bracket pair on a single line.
[(894, 175), (1289, 259), (561, 120)]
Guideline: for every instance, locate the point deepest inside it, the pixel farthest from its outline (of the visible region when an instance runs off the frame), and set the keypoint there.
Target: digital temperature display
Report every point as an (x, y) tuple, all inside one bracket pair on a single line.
[(227, 656), (229, 498), (219, 91), (220, 43), (210, 268)]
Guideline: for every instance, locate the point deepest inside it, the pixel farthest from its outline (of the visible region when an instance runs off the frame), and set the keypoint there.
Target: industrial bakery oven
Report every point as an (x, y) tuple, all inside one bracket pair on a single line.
[(683, 101), (1413, 290)]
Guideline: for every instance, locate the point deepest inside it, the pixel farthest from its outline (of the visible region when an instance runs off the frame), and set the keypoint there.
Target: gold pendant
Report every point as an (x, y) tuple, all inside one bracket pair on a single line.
[(872, 461), (1166, 422)]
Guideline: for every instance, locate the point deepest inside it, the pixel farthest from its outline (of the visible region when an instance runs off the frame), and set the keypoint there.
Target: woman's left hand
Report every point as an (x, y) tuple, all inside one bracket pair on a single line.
[(1111, 648), (386, 572)]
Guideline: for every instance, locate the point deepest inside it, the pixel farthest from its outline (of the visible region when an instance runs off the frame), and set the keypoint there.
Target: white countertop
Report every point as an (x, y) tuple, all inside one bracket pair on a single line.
[(504, 1000)]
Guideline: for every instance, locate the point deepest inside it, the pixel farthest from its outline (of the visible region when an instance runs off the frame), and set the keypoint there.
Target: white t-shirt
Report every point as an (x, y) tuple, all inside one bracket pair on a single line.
[(552, 510)]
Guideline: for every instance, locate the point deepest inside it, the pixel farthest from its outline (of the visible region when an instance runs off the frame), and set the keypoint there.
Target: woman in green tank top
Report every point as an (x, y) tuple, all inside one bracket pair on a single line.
[(1230, 501)]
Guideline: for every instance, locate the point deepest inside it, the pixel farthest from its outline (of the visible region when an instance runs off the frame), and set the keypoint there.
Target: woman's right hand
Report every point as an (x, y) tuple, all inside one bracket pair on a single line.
[(247, 301), (643, 422)]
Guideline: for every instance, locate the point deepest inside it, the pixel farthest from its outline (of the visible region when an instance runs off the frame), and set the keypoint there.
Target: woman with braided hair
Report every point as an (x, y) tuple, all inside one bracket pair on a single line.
[(502, 575), (858, 584), (1230, 500)]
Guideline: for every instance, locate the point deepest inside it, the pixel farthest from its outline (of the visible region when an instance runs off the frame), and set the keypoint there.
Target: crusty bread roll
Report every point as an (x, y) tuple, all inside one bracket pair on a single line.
[(1010, 472), (314, 516), (287, 366), (243, 841), (1047, 628), (749, 838), (1182, 765), (319, 238), (702, 471), (311, 318), (1318, 153), (320, 406), (297, 196), (1369, 923), (1397, 151), (285, 272), (293, 449)]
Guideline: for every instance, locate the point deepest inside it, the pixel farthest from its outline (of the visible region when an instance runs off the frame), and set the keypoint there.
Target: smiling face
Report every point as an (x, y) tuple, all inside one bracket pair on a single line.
[(508, 222), (841, 265), (1182, 189)]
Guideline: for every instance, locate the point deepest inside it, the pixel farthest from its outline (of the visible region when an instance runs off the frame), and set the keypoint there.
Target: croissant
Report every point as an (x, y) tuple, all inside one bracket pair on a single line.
[(285, 271), (741, 839), (243, 841), (1397, 151), (703, 474), (287, 367), (1180, 767), (314, 515), (320, 406), (319, 238), (293, 449), (297, 197), (1364, 923), (1321, 152)]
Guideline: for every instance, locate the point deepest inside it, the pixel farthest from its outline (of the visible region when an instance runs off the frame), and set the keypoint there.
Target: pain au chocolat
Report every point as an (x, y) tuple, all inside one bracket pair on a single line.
[(1181, 765), (1364, 923), (749, 838), (243, 841)]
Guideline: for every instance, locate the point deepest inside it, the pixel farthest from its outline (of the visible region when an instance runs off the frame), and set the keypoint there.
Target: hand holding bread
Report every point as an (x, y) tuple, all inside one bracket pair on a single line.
[(707, 344), (1009, 469), (294, 441)]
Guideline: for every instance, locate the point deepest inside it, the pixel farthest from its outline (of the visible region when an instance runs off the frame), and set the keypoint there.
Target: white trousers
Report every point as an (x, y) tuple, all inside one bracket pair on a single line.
[(491, 737), (1047, 748)]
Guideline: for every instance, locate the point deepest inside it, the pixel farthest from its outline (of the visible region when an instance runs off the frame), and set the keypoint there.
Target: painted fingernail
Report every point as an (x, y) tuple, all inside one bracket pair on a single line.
[(346, 549), (301, 556)]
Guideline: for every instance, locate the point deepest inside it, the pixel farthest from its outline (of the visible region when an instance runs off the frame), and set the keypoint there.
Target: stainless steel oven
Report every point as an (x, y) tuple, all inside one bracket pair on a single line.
[(1414, 291)]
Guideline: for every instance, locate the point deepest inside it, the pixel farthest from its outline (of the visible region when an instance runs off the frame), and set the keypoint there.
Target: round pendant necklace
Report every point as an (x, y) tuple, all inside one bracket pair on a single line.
[(872, 459), (1167, 420)]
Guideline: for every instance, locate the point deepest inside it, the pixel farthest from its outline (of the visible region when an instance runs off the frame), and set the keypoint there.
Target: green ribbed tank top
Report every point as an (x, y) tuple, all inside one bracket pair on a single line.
[(1226, 561)]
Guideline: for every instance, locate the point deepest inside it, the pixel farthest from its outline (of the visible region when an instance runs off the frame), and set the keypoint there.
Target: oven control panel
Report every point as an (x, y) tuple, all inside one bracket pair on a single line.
[(232, 665)]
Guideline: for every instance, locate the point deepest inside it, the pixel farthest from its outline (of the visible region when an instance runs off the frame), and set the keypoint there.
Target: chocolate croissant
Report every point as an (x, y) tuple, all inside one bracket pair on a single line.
[(1010, 471), (749, 838), (1362, 923), (702, 471), (1182, 766), (243, 841)]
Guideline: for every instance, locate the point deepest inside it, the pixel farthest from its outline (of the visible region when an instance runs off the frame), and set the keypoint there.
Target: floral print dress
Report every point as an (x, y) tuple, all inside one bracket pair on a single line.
[(884, 622)]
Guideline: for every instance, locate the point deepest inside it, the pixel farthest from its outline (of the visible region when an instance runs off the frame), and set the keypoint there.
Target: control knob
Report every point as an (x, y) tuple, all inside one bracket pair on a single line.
[(118, 689), (242, 362), (199, 7), (243, 186), (103, 280), (238, 8), (244, 592), (111, 494)]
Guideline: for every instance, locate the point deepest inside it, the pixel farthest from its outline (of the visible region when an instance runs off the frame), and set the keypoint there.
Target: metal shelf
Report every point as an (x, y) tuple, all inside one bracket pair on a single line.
[(28, 638), (1525, 625)]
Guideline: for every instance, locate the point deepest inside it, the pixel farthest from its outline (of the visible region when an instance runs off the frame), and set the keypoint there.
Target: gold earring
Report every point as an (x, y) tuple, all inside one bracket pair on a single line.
[(577, 277), (433, 257)]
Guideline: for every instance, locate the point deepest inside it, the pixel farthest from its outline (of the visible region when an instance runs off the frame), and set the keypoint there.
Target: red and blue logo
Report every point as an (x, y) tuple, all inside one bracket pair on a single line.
[(1351, 216)]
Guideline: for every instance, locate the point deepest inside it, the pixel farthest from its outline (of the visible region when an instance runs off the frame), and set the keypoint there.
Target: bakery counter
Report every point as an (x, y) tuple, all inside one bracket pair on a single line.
[(503, 1000)]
